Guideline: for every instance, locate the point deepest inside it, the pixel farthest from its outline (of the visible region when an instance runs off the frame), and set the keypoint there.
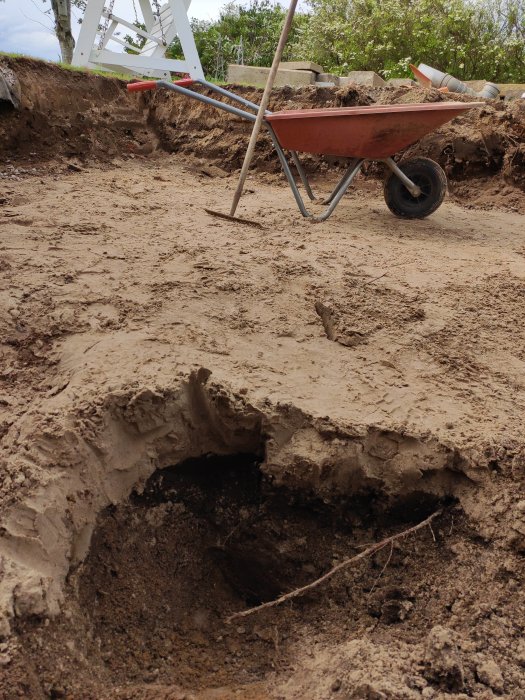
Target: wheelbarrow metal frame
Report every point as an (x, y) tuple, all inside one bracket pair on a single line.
[(342, 186)]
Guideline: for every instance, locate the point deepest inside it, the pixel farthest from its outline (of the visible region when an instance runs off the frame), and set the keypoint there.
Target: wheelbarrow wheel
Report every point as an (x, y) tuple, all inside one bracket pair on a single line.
[(431, 180)]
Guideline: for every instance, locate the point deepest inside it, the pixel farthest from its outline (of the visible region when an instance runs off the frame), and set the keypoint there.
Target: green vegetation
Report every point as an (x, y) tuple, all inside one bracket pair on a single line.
[(97, 71), (67, 66), (244, 33), (468, 38)]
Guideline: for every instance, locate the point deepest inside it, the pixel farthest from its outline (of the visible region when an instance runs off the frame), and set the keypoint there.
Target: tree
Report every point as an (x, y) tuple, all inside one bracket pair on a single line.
[(62, 13), (245, 33), (61, 10)]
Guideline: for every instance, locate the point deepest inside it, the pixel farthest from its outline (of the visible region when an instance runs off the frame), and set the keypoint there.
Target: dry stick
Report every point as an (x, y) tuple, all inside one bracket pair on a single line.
[(362, 555), (264, 104)]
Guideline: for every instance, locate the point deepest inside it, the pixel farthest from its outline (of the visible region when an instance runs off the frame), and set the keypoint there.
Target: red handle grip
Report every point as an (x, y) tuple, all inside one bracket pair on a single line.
[(184, 82), (140, 87), (152, 84)]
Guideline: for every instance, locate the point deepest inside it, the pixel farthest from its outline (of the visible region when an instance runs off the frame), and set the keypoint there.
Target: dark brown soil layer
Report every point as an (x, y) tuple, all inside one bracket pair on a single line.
[(70, 114)]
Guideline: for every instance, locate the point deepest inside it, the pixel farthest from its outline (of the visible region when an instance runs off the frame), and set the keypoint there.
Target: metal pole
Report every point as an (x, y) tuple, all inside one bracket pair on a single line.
[(264, 104)]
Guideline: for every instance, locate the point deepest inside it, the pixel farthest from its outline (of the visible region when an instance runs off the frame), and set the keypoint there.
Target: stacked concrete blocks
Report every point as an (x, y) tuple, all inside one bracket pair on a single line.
[(254, 75)]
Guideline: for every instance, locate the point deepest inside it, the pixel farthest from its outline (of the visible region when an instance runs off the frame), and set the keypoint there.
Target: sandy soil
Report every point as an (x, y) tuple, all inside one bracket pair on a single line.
[(197, 415), (139, 332)]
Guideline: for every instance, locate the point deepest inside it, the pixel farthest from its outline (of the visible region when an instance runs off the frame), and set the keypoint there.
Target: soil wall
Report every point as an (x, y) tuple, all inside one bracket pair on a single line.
[(74, 114), (69, 113)]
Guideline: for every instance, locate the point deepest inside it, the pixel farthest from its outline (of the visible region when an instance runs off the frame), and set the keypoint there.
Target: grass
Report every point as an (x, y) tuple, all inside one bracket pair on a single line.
[(93, 71), (13, 55), (67, 66), (96, 71)]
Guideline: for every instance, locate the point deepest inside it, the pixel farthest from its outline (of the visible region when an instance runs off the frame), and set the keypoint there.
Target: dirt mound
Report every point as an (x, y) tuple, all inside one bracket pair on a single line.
[(70, 114), (484, 150), (486, 145), (188, 126)]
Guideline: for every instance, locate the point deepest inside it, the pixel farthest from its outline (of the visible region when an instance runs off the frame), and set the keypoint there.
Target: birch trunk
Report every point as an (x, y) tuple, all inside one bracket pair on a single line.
[(62, 13)]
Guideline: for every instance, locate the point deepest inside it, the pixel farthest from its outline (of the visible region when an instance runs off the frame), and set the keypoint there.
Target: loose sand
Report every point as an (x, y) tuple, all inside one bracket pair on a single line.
[(197, 415)]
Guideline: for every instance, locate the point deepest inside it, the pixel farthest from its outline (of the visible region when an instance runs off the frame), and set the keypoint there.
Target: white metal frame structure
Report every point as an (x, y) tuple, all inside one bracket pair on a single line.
[(101, 26)]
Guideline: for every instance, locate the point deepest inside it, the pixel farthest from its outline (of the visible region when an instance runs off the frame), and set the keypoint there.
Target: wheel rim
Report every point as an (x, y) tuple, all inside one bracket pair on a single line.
[(425, 185)]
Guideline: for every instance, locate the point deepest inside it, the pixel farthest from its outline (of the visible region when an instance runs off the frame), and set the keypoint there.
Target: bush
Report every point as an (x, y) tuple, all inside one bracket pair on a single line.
[(478, 39), (245, 34), (468, 38)]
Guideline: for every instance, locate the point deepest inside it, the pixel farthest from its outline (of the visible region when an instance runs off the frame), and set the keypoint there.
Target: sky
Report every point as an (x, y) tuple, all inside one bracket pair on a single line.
[(26, 28)]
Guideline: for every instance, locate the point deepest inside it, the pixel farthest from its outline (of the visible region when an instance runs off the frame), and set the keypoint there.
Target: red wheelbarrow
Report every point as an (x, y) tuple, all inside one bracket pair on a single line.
[(414, 189)]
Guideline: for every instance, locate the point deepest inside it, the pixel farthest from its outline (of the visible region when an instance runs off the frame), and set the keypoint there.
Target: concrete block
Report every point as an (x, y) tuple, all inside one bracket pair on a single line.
[(324, 84), (301, 65), (401, 82), (366, 77), (327, 78), (255, 75), (514, 95)]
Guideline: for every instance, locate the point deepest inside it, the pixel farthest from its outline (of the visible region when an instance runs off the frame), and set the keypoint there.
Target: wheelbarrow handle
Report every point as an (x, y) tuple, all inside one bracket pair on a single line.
[(143, 86), (152, 84)]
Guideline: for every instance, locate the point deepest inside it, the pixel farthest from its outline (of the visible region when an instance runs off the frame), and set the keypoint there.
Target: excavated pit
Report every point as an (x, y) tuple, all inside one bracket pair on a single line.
[(198, 542), (153, 577)]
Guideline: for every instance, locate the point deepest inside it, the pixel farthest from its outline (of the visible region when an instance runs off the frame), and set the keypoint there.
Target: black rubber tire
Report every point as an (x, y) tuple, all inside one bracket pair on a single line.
[(425, 173)]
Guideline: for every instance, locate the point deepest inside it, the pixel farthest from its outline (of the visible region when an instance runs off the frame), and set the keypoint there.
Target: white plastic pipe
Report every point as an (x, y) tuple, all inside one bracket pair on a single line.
[(440, 79)]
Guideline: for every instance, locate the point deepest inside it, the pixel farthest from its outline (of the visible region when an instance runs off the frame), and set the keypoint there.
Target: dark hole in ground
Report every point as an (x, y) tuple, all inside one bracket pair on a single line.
[(207, 538)]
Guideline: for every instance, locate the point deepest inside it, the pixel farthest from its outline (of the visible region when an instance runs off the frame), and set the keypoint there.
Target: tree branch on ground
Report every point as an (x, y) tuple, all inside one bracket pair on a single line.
[(343, 565)]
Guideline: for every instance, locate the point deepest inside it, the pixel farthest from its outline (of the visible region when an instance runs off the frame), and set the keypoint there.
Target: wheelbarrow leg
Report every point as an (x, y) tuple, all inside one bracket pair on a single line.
[(302, 175), (288, 173), (339, 191), (350, 168), (336, 195)]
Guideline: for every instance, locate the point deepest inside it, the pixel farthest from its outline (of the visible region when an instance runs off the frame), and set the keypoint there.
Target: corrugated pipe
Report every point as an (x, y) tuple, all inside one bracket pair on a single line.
[(439, 79)]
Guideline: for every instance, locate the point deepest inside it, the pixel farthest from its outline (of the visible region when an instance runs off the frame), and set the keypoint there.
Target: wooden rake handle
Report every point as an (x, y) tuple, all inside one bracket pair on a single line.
[(264, 104)]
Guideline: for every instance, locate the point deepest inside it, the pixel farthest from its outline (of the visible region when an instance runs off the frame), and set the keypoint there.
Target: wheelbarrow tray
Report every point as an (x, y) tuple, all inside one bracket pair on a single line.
[(372, 132)]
